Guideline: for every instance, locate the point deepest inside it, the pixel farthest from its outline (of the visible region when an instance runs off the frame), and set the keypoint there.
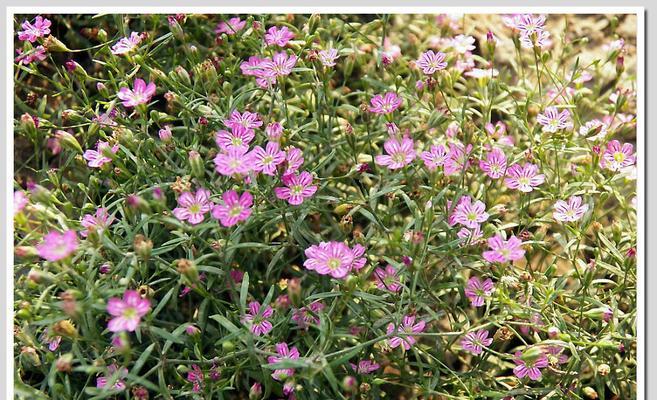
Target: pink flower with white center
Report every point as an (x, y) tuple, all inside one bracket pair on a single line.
[(528, 23), (497, 130), (235, 161), (330, 258), (469, 236), (246, 120), (257, 319), (127, 312), (238, 138), (385, 104), (96, 158), (477, 290), (553, 120), (594, 130), (435, 157), (127, 44), (504, 250), (475, 342), (539, 39), (253, 66), (470, 214), (511, 20), (617, 156), (452, 130), (230, 27), (32, 31), (98, 222), (37, 54), (20, 201), (280, 64), (140, 94), (266, 160), (387, 279), (365, 367), (306, 316), (495, 164), (616, 45), (430, 62), (298, 188), (458, 159), (463, 44), (57, 246), (278, 37), (530, 368), (114, 374), (400, 153), (524, 178), (571, 211), (327, 57), (234, 209), (274, 131), (193, 207), (408, 327), (359, 259), (284, 354), (293, 159)]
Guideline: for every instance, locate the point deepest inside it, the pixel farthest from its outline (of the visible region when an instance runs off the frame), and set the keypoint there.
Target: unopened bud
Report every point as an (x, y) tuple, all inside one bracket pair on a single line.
[(143, 247), (187, 268), (68, 141), (64, 363), (53, 45), (196, 164)]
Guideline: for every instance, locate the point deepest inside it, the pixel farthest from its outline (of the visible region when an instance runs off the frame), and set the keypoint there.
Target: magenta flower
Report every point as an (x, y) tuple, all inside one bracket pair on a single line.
[(32, 31), (278, 37), (293, 159), (431, 62), (247, 120), (435, 157), (477, 290), (20, 201), (114, 374), (280, 64), (98, 222), (327, 57), (332, 258), (127, 312), (235, 161), (140, 94), (96, 158), (57, 246), (127, 44), (230, 27), (255, 66), (266, 160), (495, 164), (387, 279), (306, 316), (617, 157), (475, 342), (238, 138), (504, 250), (35, 55), (257, 319), (497, 130), (400, 153), (470, 214), (196, 377), (531, 368), (553, 120), (407, 328), (284, 354), (555, 355), (458, 159), (571, 211), (192, 207), (234, 208), (365, 367), (298, 188), (274, 131), (385, 104), (524, 178)]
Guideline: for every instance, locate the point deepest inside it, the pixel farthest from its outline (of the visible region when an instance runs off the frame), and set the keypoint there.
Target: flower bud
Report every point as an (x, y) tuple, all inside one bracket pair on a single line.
[(294, 290), (64, 363), (176, 29), (53, 45), (143, 247), (29, 356), (102, 35), (187, 268), (604, 369), (590, 393), (65, 328), (255, 392), (349, 384), (553, 332), (76, 69), (227, 346), (28, 125), (68, 141), (196, 163), (183, 75), (620, 65)]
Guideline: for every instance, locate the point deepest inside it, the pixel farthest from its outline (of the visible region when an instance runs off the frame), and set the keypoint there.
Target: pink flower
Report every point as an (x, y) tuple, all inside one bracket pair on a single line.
[(531, 30), (98, 222), (293, 159), (333, 258), (457, 159), (387, 279), (617, 157), (140, 94), (114, 374), (266, 160), (280, 64), (495, 164), (476, 290), (470, 214), (365, 367), (385, 104), (257, 319), (284, 354), (127, 312), (497, 130), (235, 161), (35, 55), (238, 138), (555, 355), (327, 57), (20, 201), (504, 250), (469, 236), (31, 32), (298, 188), (594, 130), (231, 27), (96, 158), (553, 120), (435, 157), (571, 211), (524, 178), (431, 62), (247, 120), (274, 131), (192, 207), (57, 246), (306, 316), (531, 368), (278, 37), (196, 377), (463, 44), (474, 342), (127, 44), (165, 133), (407, 327), (234, 209), (400, 153)]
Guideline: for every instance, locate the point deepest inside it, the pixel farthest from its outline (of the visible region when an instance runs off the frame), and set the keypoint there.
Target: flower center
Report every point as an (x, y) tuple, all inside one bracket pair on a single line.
[(296, 189), (235, 211), (195, 208), (268, 160), (130, 313), (334, 263), (399, 157), (619, 157)]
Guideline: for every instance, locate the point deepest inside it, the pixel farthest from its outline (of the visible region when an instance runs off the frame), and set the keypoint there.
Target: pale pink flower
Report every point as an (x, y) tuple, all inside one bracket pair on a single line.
[(458, 159), (327, 57), (234, 209), (114, 374), (435, 157), (470, 214), (235, 161), (524, 178), (246, 120), (293, 159), (306, 316), (266, 160), (479, 73), (594, 130), (230, 27), (555, 355), (140, 94), (539, 38), (196, 377), (165, 133), (365, 367), (462, 43), (96, 158), (495, 164), (571, 211), (238, 138), (57, 246), (407, 328), (475, 342), (284, 353), (274, 131), (298, 188), (497, 130), (32, 31), (477, 290), (127, 44), (193, 207), (430, 62), (504, 250), (617, 156), (278, 37), (20, 201), (400, 153), (37, 54), (257, 318), (553, 120), (330, 258), (98, 222), (469, 236), (529, 368), (385, 104), (127, 312), (280, 64), (387, 279)]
